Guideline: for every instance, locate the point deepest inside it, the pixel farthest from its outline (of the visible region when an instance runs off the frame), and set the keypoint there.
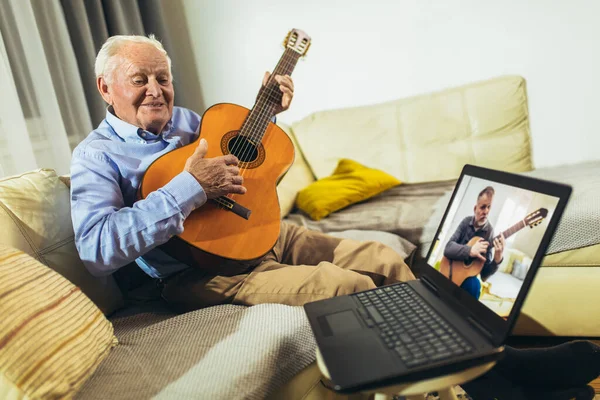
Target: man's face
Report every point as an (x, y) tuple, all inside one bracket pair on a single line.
[(482, 209), (141, 91)]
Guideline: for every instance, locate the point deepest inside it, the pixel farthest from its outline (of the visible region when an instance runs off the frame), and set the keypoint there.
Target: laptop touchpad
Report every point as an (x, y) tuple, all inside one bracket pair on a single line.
[(339, 323)]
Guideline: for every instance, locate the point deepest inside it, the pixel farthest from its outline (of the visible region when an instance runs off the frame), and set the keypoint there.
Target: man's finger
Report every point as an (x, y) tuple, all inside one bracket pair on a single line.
[(238, 189), (481, 257), (233, 170), (266, 78), (230, 159), (287, 81), (202, 148)]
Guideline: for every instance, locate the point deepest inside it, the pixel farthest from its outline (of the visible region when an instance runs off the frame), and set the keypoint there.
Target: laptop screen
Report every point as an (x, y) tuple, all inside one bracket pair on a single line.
[(488, 239)]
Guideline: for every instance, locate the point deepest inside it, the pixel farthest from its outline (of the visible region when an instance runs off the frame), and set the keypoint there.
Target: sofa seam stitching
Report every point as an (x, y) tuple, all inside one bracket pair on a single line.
[(23, 232), (57, 245)]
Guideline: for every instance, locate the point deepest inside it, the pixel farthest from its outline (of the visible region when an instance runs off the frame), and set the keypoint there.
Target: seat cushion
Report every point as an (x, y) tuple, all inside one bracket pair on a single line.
[(297, 177), (428, 137), (35, 216), (564, 296), (52, 337)]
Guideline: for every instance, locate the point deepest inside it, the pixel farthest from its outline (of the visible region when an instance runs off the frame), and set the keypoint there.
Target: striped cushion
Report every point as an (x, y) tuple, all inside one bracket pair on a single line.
[(52, 337)]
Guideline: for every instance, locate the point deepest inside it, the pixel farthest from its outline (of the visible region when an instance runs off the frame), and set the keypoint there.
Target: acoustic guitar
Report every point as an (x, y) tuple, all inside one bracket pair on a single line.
[(459, 270), (236, 227)]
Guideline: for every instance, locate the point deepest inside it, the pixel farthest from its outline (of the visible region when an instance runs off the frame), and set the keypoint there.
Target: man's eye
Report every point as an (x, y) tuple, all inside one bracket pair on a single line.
[(138, 81)]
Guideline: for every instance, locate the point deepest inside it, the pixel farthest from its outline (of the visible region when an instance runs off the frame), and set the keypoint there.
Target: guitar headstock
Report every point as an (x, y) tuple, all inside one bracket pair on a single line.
[(536, 217), (298, 41)]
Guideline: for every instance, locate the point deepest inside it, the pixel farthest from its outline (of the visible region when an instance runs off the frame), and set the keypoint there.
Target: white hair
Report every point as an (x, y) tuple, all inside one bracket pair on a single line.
[(106, 59)]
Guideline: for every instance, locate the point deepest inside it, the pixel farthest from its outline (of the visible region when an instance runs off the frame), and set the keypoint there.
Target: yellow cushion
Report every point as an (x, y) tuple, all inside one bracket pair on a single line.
[(428, 137), (35, 216), (350, 183), (52, 336), (297, 177)]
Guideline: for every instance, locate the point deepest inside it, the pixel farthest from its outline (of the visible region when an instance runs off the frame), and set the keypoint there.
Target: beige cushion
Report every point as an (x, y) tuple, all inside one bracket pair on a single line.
[(428, 137), (564, 297), (297, 178), (35, 217), (52, 337)]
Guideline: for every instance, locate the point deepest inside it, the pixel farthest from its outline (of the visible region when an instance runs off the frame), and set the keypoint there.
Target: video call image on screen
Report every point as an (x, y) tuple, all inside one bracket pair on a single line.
[(468, 249)]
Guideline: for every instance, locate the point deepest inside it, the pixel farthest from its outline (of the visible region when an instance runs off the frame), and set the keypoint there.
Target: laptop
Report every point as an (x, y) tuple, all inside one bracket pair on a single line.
[(460, 311)]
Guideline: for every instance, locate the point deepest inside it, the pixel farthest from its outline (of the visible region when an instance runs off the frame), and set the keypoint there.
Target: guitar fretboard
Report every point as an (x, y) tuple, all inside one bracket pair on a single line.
[(513, 229), (269, 98)]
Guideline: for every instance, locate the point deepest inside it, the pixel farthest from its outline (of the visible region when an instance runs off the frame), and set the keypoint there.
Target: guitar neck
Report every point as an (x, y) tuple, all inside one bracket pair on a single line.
[(513, 229), (269, 98)]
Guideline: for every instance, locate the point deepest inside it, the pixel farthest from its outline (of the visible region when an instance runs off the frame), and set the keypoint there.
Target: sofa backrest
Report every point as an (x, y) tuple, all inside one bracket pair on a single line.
[(35, 216), (428, 137)]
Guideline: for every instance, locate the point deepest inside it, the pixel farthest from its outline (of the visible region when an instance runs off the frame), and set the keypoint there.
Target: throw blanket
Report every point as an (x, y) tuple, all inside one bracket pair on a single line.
[(221, 352), (580, 223), (402, 210)]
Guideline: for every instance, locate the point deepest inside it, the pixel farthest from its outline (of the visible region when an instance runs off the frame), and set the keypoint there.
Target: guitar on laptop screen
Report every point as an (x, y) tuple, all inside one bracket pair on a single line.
[(459, 270)]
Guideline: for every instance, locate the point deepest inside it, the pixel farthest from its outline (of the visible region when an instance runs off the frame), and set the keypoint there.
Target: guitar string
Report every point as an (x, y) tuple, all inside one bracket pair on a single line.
[(253, 120), (264, 110), (273, 94), (287, 62), (258, 112)]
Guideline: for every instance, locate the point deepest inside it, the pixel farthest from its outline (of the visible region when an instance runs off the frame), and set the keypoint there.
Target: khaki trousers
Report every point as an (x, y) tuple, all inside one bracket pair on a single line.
[(303, 266)]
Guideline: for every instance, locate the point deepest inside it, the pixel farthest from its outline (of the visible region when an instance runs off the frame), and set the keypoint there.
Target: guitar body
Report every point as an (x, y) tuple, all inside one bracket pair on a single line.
[(212, 230), (461, 270)]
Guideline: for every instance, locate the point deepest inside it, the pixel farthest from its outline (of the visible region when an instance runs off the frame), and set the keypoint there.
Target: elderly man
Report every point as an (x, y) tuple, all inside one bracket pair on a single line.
[(112, 229)]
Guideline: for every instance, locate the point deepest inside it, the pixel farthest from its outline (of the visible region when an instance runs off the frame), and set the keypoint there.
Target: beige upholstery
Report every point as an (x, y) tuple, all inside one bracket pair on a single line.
[(35, 216), (297, 177), (564, 297), (428, 137)]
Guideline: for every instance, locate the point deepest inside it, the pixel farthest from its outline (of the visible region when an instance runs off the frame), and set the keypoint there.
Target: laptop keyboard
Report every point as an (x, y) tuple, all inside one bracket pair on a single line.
[(409, 326)]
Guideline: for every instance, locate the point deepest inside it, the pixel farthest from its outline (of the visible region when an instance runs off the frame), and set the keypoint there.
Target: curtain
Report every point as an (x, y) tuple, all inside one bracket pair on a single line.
[(47, 53), (46, 111)]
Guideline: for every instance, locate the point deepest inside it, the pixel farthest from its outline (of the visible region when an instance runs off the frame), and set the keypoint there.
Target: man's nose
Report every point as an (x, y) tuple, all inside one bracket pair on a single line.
[(153, 88)]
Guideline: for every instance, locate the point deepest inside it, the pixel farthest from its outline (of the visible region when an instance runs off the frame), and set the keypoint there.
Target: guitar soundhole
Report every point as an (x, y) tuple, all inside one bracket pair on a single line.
[(250, 154), (468, 261), (243, 149)]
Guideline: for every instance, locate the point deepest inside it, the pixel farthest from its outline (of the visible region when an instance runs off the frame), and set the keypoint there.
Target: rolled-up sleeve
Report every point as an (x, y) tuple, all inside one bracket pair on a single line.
[(109, 234)]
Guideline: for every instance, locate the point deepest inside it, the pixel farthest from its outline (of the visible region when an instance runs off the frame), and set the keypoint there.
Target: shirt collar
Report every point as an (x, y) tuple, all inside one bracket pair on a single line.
[(132, 133)]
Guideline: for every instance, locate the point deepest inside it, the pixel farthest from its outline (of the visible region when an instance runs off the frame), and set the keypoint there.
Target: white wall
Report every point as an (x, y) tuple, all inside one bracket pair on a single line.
[(366, 52)]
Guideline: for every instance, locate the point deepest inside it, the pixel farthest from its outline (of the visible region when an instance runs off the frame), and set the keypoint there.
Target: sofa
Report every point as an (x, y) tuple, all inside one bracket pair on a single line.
[(424, 141), (267, 351)]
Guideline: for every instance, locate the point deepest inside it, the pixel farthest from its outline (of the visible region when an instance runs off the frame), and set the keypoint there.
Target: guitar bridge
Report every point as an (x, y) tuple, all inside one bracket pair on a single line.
[(231, 205)]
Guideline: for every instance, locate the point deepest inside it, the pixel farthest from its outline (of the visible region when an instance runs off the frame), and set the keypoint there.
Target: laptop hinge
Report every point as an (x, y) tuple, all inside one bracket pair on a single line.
[(430, 285), (480, 327)]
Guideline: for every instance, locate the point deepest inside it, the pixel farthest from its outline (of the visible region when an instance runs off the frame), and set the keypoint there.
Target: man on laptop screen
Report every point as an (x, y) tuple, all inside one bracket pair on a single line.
[(490, 236)]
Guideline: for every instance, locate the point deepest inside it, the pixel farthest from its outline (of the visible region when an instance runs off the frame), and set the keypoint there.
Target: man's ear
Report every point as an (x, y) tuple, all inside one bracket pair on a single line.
[(103, 89)]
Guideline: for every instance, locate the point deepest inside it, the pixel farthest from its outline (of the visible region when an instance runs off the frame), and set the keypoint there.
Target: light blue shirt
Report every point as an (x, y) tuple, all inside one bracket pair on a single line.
[(112, 229)]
